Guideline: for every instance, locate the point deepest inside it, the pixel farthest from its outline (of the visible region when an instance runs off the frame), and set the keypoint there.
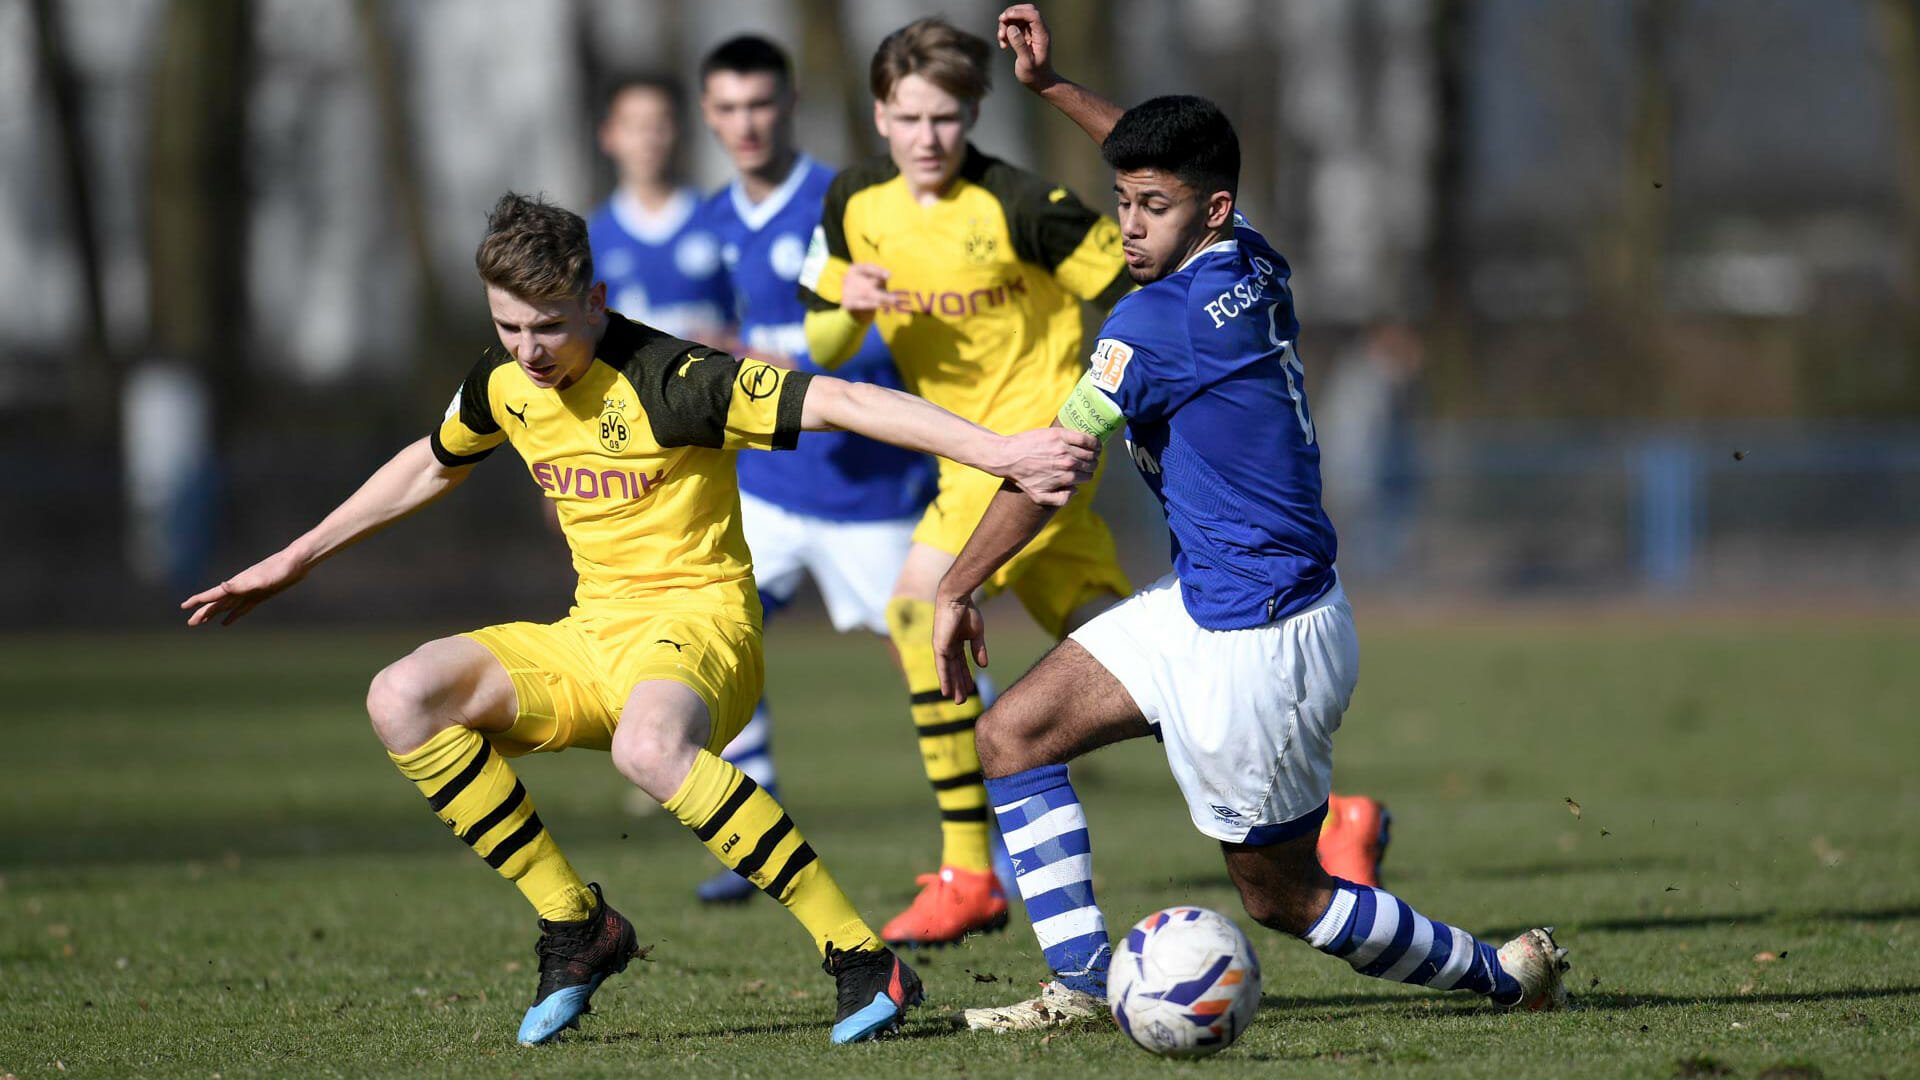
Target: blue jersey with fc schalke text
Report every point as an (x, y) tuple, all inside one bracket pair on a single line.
[(1203, 365), (832, 475), (661, 268)]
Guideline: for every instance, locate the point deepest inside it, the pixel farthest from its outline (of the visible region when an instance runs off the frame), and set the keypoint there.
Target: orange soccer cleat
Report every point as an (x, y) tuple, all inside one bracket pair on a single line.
[(1354, 838), (952, 904)]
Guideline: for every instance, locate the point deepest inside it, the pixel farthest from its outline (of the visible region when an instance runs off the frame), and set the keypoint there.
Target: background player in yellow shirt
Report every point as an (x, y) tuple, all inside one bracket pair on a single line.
[(631, 432), (974, 271)]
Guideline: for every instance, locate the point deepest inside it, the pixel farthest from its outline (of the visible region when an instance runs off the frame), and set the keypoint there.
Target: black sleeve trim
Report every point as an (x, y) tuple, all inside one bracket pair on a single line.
[(475, 410), (813, 301), (1045, 229), (450, 459), (793, 399), (687, 409)]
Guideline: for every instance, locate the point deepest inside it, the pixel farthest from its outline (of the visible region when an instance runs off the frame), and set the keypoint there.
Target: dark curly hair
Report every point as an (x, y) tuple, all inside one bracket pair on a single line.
[(1180, 134)]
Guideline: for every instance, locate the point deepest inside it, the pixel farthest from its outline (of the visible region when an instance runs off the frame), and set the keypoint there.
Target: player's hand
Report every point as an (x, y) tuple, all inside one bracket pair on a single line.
[(1025, 32), (864, 290), (245, 590), (957, 624), (1049, 463)]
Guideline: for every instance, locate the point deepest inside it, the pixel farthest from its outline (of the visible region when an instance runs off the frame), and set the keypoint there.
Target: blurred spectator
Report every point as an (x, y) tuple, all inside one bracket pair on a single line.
[(1364, 421)]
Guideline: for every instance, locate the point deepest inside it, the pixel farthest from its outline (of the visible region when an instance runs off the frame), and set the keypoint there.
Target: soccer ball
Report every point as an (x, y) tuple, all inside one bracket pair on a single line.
[(1184, 983)]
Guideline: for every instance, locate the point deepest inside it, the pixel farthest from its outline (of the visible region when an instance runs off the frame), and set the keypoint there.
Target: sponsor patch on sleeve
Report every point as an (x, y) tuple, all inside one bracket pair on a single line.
[(1110, 358)]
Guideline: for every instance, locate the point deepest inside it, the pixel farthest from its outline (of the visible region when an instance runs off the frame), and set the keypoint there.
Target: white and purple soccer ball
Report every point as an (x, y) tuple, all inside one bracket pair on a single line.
[(1184, 982)]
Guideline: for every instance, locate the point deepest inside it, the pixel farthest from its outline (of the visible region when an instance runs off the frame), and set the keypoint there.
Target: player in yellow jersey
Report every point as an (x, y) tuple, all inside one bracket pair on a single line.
[(975, 272), (632, 433)]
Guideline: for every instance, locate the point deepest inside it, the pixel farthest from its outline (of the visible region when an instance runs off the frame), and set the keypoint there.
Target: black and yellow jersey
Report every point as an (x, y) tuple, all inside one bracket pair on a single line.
[(983, 312), (637, 455)]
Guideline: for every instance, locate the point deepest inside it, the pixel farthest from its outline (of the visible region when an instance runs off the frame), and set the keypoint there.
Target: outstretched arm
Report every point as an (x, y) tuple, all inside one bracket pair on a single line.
[(410, 480), (1025, 32), (1046, 464)]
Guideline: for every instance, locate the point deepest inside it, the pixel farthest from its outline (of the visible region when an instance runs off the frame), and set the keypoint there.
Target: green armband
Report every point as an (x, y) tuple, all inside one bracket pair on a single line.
[(1089, 410)]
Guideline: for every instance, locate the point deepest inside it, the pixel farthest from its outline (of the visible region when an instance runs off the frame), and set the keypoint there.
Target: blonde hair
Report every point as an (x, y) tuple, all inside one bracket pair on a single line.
[(937, 51)]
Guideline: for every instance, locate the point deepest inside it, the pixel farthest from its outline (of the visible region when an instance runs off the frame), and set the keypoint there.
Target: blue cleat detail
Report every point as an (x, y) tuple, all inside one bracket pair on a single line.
[(882, 1014), (575, 958), (875, 991), (561, 1010)]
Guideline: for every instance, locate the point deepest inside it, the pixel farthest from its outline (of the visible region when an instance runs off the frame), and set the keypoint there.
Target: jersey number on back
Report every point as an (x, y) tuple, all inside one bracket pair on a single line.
[(1291, 366)]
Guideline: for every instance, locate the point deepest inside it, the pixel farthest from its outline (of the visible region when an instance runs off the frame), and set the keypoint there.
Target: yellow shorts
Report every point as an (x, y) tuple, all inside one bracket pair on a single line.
[(1071, 562), (573, 676)]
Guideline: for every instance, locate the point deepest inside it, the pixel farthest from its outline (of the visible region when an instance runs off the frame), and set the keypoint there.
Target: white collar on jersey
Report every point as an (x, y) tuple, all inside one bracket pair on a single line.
[(654, 227), (756, 215), (1218, 245)]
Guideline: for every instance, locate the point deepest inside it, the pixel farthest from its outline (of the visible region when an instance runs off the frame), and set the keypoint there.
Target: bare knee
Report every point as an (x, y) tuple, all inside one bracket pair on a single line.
[(661, 732), (1290, 909), (1281, 886), (404, 703), (651, 759), (1007, 738)]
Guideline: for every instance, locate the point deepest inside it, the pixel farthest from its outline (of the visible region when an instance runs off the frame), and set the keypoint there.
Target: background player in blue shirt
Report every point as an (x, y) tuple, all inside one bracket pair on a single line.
[(842, 508), (1243, 660), (661, 267)]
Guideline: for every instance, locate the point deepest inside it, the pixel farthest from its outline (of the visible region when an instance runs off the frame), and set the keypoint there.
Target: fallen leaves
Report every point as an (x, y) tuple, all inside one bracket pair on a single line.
[(1573, 807)]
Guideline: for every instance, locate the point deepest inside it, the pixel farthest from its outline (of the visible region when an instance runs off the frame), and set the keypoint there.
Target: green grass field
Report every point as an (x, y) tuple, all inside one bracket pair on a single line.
[(208, 867)]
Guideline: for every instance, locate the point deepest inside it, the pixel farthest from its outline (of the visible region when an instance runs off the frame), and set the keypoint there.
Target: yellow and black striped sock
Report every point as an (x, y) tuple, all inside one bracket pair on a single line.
[(748, 831), (946, 739), (474, 791)]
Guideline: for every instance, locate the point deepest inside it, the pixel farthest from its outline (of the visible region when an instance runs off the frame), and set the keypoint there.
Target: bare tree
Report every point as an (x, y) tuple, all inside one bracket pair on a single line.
[(1449, 256), (99, 372), (1900, 42), (197, 198), (403, 182)]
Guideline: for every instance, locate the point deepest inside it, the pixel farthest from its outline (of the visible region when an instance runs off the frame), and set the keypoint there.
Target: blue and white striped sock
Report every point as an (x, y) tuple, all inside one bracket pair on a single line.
[(751, 751), (1046, 833), (1381, 936)]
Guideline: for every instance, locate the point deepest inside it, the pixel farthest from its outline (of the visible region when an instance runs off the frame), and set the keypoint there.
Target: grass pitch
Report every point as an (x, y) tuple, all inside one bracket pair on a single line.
[(208, 867)]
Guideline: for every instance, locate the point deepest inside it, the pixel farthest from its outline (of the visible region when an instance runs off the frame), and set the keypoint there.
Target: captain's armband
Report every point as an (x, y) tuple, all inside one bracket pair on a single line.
[(1090, 410)]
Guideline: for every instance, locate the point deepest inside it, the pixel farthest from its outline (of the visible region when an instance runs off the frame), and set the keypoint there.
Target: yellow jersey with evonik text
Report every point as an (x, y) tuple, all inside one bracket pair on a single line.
[(637, 456), (984, 285)]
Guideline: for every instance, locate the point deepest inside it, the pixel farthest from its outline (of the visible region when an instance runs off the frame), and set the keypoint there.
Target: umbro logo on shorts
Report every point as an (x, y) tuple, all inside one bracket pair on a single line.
[(1225, 812)]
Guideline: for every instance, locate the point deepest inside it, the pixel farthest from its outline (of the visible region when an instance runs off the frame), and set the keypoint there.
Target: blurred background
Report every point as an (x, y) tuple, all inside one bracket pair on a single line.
[(1602, 301)]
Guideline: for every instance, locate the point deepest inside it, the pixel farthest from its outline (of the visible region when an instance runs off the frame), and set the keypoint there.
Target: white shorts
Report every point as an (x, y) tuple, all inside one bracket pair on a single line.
[(1247, 716), (854, 563)]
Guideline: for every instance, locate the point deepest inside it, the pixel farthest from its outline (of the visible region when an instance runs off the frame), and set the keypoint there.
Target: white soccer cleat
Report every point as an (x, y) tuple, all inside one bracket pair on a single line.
[(1057, 1006), (1537, 963)]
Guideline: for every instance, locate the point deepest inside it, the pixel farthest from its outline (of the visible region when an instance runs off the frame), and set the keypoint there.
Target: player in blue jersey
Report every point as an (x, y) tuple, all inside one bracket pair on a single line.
[(842, 508), (1243, 659), (661, 267)]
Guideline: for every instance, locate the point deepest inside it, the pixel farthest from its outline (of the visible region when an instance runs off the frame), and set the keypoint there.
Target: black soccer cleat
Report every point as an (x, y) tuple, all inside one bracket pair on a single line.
[(575, 958), (876, 990)]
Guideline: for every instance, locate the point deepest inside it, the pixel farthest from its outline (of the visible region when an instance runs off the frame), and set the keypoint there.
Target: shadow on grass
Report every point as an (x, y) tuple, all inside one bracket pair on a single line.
[(405, 831), (914, 1028), (1729, 918), (1354, 1005), (1572, 867)]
